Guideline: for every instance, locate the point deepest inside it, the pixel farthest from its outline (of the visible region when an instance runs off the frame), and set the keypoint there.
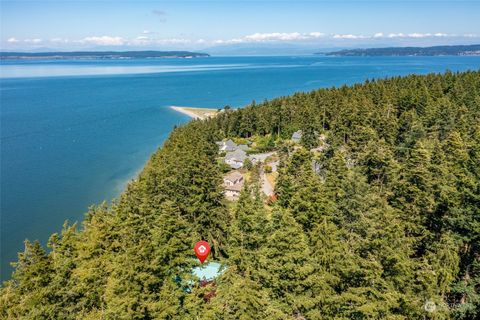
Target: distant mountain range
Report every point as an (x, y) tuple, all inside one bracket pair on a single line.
[(99, 55), (459, 50), (266, 49)]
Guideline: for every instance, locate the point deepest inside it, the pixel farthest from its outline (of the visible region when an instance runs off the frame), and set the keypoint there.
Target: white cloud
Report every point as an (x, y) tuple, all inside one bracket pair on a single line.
[(173, 41), (273, 36), (140, 41), (419, 35), (103, 41), (416, 35), (149, 38), (297, 36), (316, 34), (276, 36), (426, 35), (34, 41), (396, 35), (349, 36), (344, 36), (59, 40), (145, 41)]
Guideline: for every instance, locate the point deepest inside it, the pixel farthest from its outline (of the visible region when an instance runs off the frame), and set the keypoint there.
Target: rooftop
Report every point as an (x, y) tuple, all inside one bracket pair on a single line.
[(297, 134), (234, 175), (230, 143), (238, 154), (236, 187)]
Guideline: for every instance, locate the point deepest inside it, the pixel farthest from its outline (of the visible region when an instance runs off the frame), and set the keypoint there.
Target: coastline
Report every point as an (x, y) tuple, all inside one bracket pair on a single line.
[(196, 113)]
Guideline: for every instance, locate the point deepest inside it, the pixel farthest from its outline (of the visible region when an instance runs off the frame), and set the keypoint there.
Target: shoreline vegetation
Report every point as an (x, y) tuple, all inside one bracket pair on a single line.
[(197, 113)]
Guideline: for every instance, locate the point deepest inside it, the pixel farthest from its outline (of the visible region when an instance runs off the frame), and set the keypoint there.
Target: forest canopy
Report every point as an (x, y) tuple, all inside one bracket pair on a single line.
[(382, 223)]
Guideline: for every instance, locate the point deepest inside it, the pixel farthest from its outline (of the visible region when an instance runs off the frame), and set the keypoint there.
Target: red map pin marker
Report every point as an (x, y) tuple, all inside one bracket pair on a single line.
[(202, 249)]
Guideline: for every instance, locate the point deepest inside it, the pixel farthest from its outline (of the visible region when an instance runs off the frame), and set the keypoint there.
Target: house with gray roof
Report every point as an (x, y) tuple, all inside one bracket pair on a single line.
[(243, 147), (236, 158), (227, 146)]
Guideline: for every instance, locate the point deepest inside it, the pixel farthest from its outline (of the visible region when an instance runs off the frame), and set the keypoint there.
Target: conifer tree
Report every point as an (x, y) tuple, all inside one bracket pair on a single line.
[(238, 297), (156, 251), (310, 201), (28, 295), (286, 268), (247, 232)]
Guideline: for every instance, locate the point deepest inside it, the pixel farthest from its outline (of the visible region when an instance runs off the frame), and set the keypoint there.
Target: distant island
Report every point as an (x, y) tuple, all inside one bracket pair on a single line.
[(100, 55), (461, 50)]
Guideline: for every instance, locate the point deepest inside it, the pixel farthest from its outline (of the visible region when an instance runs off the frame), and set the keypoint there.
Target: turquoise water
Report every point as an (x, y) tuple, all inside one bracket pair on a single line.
[(207, 271), (73, 133)]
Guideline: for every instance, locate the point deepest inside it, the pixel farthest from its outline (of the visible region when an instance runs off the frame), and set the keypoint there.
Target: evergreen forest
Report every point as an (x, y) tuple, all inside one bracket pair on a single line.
[(382, 223)]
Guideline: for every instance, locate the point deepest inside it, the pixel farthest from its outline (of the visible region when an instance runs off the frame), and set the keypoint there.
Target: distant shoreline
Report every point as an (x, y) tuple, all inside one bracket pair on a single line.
[(196, 113), (456, 50), (103, 55)]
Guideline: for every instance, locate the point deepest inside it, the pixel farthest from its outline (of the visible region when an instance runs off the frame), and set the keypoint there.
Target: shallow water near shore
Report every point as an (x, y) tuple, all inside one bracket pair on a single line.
[(73, 133)]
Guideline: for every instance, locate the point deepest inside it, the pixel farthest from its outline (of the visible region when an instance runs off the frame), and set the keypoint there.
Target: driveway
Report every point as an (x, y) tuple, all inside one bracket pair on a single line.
[(260, 156), (267, 188)]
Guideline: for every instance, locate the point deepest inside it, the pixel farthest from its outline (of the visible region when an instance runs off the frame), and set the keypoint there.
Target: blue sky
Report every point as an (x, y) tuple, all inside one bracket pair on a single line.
[(72, 25)]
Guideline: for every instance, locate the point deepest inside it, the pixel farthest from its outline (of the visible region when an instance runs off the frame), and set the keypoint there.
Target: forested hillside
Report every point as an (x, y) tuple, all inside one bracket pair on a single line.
[(384, 225), (457, 50)]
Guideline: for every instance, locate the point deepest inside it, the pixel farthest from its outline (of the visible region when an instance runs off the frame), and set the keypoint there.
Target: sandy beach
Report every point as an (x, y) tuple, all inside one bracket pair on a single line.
[(196, 113)]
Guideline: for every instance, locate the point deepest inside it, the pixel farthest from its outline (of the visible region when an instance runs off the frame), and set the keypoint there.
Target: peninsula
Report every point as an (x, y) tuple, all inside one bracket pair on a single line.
[(95, 55), (197, 113), (461, 50)]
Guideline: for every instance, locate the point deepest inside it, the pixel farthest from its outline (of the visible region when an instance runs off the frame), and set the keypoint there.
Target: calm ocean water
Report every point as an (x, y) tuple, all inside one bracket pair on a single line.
[(73, 133)]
